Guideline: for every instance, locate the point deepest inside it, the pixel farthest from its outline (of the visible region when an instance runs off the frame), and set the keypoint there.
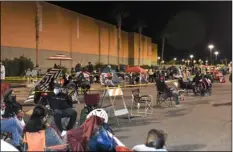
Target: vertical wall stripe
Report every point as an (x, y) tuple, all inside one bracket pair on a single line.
[(77, 26)]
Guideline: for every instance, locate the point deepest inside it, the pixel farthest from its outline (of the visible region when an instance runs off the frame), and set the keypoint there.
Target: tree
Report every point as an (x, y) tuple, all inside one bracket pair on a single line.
[(119, 13), (37, 26), (140, 26), (165, 36)]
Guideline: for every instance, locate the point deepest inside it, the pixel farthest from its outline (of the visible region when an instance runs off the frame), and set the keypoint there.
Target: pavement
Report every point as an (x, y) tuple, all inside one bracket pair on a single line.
[(201, 124)]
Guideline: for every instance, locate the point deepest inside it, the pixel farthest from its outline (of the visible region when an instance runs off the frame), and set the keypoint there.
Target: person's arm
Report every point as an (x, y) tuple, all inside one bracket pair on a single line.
[(69, 100)]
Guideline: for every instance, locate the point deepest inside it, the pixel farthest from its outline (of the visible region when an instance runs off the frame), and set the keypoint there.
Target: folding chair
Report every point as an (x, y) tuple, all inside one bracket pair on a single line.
[(163, 96), (38, 143), (92, 99), (138, 99)]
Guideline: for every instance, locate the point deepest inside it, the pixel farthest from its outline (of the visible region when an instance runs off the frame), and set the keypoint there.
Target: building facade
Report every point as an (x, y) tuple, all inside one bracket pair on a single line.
[(62, 31)]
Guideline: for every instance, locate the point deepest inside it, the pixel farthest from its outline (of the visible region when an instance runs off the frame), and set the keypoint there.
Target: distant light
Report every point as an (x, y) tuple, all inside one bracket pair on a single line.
[(175, 59), (216, 53), (182, 60), (191, 56), (206, 61), (211, 46), (158, 58), (162, 61)]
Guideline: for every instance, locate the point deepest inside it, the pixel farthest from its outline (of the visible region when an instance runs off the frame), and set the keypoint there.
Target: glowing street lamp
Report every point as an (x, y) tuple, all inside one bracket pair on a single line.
[(211, 47), (191, 56), (162, 61), (158, 57), (175, 59), (216, 54), (182, 60)]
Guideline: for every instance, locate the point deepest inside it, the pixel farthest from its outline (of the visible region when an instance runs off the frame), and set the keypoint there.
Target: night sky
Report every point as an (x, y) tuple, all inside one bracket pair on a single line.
[(190, 26)]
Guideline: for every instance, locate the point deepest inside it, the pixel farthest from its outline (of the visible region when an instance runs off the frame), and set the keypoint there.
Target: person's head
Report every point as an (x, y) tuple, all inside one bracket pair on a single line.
[(156, 139), (110, 78), (39, 112), (37, 120)]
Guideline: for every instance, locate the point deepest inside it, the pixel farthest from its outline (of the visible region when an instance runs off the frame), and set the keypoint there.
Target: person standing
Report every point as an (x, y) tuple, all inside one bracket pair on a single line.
[(3, 72)]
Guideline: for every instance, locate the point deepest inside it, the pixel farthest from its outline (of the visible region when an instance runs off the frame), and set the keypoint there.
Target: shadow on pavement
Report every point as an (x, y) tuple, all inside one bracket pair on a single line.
[(186, 147), (177, 113), (133, 123), (122, 137)]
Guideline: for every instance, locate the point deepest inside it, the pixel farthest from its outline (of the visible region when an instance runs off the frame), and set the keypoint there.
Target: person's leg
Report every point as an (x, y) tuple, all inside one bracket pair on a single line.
[(72, 114), (12, 126), (176, 96), (52, 138), (57, 119)]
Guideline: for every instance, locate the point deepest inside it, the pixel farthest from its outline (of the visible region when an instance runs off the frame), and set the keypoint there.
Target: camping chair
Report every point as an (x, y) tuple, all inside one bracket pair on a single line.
[(163, 96), (138, 99), (92, 99), (186, 86), (38, 143)]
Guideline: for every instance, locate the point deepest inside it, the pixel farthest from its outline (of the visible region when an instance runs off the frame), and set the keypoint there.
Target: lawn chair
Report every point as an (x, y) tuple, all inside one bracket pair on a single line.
[(186, 86), (91, 103), (163, 96), (138, 99), (38, 143)]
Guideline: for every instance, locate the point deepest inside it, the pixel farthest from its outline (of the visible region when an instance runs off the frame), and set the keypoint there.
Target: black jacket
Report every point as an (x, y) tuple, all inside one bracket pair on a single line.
[(60, 101)]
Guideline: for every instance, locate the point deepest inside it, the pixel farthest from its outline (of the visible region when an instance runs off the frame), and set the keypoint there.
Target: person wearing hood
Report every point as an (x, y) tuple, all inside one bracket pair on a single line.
[(62, 104)]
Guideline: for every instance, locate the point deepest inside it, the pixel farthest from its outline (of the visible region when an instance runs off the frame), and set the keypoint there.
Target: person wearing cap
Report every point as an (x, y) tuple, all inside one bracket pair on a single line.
[(62, 104), (3, 72)]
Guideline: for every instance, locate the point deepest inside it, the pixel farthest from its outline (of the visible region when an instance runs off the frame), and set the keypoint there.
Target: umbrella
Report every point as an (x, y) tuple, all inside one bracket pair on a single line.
[(136, 69), (59, 57)]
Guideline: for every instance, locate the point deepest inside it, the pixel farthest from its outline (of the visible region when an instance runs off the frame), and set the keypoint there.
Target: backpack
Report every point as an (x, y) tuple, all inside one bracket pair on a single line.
[(84, 112)]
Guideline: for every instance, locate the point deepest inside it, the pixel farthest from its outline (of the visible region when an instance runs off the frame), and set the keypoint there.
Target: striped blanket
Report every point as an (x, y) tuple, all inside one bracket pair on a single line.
[(43, 84)]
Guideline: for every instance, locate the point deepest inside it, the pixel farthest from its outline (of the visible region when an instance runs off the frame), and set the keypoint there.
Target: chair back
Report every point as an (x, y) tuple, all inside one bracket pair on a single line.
[(35, 141), (136, 95), (92, 99)]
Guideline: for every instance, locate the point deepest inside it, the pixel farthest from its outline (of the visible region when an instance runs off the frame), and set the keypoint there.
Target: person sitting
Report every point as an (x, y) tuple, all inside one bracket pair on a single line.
[(37, 124), (108, 82), (61, 104), (155, 141), (169, 91), (9, 120)]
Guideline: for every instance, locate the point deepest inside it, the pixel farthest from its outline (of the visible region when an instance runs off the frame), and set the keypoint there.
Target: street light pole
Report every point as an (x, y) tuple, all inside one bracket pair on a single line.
[(175, 60), (211, 49), (158, 60), (191, 57), (216, 55)]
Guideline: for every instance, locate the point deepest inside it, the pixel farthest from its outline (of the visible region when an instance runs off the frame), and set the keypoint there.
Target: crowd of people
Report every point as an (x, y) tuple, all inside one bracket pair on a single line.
[(39, 133)]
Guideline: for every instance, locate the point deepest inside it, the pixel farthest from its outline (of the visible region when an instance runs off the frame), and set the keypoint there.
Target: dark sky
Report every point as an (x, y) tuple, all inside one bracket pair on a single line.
[(193, 33)]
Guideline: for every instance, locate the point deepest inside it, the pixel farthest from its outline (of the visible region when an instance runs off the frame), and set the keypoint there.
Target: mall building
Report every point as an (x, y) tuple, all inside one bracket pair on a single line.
[(62, 31)]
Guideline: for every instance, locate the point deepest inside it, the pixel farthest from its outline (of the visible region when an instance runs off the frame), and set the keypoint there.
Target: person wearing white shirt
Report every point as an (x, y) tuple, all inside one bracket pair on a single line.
[(2, 71), (156, 140)]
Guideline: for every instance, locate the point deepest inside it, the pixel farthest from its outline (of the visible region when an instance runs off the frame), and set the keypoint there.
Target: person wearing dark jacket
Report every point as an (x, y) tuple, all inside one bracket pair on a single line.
[(90, 67), (62, 104)]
